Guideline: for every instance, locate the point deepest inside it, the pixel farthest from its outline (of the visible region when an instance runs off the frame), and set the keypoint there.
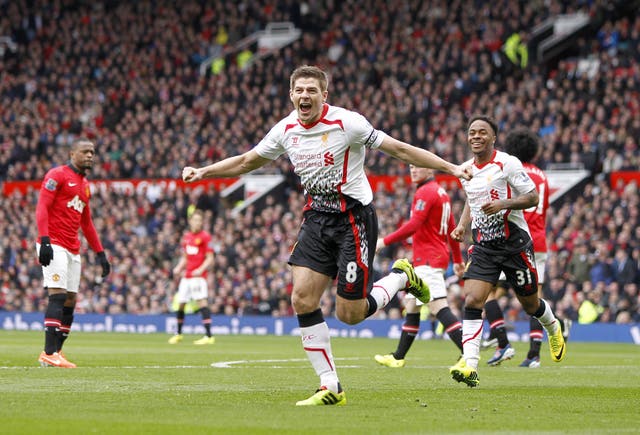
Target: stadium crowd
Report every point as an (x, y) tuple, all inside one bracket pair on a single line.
[(125, 74)]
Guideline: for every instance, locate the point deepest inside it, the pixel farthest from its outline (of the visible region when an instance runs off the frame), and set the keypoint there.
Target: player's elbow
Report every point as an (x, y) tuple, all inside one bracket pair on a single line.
[(532, 199), (250, 161)]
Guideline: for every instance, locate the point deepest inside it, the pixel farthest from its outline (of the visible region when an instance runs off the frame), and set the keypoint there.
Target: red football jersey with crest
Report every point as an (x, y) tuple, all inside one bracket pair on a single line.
[(430, 225), (536, 217), (195, 247), (63, 209)]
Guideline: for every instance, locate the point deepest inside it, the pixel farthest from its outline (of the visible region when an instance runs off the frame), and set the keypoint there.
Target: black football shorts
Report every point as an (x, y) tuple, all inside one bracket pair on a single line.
[(519, 267), (339, 244)]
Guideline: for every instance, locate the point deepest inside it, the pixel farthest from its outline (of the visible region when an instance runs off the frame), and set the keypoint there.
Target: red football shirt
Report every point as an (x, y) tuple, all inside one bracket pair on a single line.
[(430, 224), (63, 209), (536, 217), (195, 247)]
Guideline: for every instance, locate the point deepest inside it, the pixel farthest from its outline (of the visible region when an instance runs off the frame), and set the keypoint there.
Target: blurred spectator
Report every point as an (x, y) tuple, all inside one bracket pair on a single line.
[(579, 266), (516, 50), (612, 162), (601, 271), (590, 309), (417, 70), (624, 268)]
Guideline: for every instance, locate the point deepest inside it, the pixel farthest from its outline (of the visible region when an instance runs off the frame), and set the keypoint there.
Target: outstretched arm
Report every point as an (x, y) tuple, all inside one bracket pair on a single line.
[(229, 167), (422, 158)]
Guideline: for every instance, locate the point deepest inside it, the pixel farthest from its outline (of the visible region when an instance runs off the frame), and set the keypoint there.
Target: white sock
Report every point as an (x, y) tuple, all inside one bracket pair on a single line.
[(471, 334), (386, 288), (548, 319), (317, 345)]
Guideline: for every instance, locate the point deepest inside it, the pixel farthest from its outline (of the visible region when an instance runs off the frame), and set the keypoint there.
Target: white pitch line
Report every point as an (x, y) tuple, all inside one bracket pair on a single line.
[(230, 364)]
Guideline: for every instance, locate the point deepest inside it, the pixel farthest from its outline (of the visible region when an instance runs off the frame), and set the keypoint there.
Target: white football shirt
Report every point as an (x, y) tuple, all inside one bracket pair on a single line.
[(503, 177), (328, 156)]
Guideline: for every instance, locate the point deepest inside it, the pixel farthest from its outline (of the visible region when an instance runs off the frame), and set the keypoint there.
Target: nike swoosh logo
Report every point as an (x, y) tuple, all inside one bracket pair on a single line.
[(73, 184), (559, 354)]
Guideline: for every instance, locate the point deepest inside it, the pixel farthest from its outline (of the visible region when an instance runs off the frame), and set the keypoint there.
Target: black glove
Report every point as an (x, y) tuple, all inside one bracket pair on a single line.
[(106, 267), (46, 251)]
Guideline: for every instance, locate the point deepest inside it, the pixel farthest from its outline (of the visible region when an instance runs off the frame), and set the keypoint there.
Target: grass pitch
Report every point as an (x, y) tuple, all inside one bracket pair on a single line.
[(139, 384)]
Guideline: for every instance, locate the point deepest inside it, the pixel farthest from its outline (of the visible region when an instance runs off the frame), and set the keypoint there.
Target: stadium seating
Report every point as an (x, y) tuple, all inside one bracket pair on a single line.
[(75, 72)]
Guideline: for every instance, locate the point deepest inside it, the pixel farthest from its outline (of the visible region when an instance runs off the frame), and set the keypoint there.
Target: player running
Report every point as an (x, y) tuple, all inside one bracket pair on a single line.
[(524, 144), (496, 195), (327, 146)]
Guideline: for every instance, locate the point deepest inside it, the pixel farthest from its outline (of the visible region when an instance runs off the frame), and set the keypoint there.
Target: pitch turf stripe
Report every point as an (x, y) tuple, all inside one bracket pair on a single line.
[(240, 364), (221, 364)]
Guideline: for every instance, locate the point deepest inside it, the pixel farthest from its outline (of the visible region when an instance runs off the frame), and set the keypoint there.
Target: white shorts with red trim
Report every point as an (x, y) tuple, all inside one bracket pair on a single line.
[(63, 271)]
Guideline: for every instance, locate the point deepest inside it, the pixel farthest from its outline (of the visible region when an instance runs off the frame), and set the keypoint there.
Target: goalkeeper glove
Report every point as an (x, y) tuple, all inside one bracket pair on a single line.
[(46, 251), (106, 267)]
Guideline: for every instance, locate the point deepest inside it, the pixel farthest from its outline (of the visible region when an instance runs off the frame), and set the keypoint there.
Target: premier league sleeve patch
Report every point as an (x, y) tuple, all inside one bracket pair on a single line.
[(524, 177), (51, 184)]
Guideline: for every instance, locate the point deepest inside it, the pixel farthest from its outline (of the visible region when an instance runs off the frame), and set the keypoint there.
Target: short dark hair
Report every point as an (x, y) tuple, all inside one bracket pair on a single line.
[(309, 71), (522, 143), (486, 118), (77, 141)]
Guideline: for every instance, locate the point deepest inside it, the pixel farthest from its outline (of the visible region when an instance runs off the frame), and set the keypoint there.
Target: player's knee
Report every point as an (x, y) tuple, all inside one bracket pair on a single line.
[(71, 298), (530, 308), (349, 315), (302, 304), (475, 300), (349, 318), (437, 304)]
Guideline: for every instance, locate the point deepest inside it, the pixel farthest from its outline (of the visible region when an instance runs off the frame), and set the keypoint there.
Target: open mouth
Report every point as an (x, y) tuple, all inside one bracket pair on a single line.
[(305, 107)]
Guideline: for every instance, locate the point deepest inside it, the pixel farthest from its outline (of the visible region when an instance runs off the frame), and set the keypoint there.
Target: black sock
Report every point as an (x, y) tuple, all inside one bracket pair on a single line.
[(540, 311), (452, 325), (472, 314), (180, 317), (65, 326), (310, 319), (409, 331), (373, 305), (535, 338), (496, 321), (492, 334), (52, 322), (206, 319)]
